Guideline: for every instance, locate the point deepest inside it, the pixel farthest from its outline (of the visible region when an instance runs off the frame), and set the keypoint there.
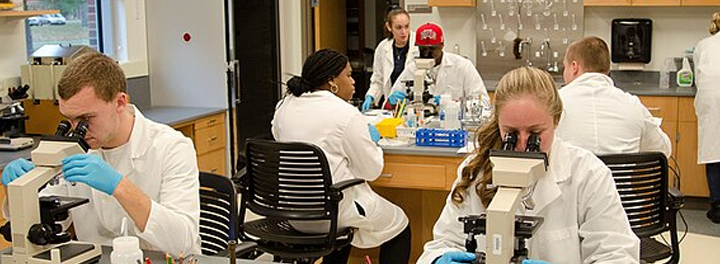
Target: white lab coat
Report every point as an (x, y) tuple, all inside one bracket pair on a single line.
[(160, 161), (584, 221), (383, 66), (455, 75), (341, 131), (707, 98), (606, 120)]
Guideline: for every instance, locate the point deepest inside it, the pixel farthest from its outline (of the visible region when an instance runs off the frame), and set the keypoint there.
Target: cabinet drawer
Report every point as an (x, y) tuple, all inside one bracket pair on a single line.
[(686, 111), (404, 175), (213, 120), (213, 161), (209, 138), (664, 107)]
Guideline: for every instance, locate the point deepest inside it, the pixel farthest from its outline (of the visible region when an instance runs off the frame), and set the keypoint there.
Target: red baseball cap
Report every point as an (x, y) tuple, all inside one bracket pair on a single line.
[(429, 35)]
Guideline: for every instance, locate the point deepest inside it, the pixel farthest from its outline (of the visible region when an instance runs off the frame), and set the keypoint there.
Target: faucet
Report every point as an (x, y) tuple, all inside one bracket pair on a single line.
[(517, 51), (547, 51)]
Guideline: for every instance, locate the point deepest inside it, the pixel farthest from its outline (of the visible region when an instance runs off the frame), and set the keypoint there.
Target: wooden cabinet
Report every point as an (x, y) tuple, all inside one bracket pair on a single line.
[(27, 13), (208, 135), (692, 175), (418, 172), (651, 3), (468, 3)]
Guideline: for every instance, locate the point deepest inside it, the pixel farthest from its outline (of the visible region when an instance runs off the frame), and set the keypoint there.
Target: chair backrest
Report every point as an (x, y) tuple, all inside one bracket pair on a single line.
[(642, 181), (287, 180), (218, 212)]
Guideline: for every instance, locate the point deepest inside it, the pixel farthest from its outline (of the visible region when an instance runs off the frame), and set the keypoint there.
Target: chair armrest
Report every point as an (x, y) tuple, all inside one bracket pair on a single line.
[(336, 189), (239, 178), (346, 184), (676, 199)]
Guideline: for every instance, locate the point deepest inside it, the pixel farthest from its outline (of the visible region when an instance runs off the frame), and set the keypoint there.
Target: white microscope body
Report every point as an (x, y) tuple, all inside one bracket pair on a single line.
[(422, 66), (512, 175), (24, 206)]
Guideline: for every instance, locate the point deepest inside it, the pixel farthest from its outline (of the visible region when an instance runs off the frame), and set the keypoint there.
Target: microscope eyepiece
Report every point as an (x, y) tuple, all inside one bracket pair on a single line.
[(509, 141), (80, 130), (63, 128), (533, 143)]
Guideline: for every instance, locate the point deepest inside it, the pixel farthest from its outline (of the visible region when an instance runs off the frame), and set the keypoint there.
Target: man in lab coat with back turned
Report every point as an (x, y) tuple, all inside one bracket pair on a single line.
[(599, 116)]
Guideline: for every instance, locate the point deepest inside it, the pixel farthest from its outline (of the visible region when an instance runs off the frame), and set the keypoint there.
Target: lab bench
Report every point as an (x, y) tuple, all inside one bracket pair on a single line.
[(159, 257)]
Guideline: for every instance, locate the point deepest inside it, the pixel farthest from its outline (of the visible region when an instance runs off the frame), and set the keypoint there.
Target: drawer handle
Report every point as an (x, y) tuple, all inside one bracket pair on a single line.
[(212, 121), (387, 175), (653, 109), (213, 138), (214, 170)]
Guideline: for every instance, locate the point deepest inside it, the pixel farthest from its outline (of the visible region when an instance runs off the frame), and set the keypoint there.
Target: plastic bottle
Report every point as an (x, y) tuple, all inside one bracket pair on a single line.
[(410, 119), (685, 75), (452, 116), (667, 67), (126, 250)]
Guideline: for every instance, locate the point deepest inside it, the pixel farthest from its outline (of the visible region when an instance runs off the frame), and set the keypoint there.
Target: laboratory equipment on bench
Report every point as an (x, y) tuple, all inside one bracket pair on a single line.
[(12, 116), (515, 175), (418, 93), (36, 236), (42, 72)]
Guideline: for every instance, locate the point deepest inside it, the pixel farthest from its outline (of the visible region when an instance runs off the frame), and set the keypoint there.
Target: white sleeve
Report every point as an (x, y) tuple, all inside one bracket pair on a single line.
[(604, 229), (653, 138), (174, 222), (377, 80), (406, 75), (365, 158), (473, 84)]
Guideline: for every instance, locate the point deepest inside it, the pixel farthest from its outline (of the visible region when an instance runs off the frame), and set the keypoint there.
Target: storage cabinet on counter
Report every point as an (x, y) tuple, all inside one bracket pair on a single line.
[(208, 135)]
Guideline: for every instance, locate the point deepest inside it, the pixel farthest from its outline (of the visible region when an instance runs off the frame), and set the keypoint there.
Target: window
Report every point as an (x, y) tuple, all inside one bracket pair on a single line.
[(78, 23)]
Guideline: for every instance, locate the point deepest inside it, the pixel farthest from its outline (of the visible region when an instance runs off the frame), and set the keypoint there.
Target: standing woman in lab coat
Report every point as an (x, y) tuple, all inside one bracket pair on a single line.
[(707, 109), (584, 221), (391, 56), (316, 110)]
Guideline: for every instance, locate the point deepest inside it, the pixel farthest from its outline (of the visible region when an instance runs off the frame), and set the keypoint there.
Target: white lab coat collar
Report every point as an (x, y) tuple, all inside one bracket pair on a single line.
[(547, 188), (139, 143), (412, 52), (591, 79), (446, 62)]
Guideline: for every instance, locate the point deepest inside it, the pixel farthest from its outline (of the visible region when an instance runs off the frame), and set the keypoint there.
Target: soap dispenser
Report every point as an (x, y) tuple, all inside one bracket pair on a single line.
[(685, 75), (126, 249)]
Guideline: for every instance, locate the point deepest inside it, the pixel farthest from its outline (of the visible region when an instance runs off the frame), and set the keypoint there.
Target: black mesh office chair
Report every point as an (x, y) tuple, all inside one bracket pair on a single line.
[(642, 181), (291, 181), (218, 213)]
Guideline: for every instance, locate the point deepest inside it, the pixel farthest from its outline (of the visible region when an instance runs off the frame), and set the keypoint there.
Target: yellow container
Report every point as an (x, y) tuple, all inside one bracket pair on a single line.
[(386, 127)]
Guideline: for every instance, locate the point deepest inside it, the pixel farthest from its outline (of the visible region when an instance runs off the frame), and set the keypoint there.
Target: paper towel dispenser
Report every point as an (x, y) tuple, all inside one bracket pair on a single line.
[(631, 39)]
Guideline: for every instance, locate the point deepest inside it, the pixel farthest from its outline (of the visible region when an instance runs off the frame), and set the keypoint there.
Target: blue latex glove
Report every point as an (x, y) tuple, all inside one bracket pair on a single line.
[(15, 169), (374, 133), (91, 170), (396, 97), (530, 261), (455, 257), (368, 102), (437, 99)]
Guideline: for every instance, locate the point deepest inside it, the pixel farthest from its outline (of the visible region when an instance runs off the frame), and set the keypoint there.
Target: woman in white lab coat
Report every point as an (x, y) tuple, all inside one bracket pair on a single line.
[(707, 109), (584, 221), (316, 110), (391, 56)]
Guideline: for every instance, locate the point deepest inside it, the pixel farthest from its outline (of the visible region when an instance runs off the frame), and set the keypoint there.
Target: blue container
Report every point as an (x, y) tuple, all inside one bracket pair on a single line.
[(429, 137)]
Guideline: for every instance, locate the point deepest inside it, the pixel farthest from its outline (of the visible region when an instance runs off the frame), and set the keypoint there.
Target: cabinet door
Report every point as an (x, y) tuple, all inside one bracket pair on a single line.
[(656, 2), (700, 2), (330, 25), (470, 3), (606, 3), (692, 175)]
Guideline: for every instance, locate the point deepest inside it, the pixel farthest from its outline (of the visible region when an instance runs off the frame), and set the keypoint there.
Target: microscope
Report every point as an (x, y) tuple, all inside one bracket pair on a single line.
[(36, 236), (417, 88), (515, 175), (12, 115)]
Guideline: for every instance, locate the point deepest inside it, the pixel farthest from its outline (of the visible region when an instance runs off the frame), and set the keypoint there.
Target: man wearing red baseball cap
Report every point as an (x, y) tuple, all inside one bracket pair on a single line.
[(452, 74)]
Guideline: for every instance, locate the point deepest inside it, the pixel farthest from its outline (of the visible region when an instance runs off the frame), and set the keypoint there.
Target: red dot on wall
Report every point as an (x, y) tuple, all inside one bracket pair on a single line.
[(186, 37)]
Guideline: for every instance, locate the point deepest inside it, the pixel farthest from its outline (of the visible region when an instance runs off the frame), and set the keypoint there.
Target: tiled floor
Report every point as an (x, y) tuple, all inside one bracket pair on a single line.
[(700, 249)]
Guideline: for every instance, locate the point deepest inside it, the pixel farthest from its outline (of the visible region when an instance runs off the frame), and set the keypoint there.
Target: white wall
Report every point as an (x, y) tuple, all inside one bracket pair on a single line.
[(186, 74), (291, 59), (674, 28), (12, 53)]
